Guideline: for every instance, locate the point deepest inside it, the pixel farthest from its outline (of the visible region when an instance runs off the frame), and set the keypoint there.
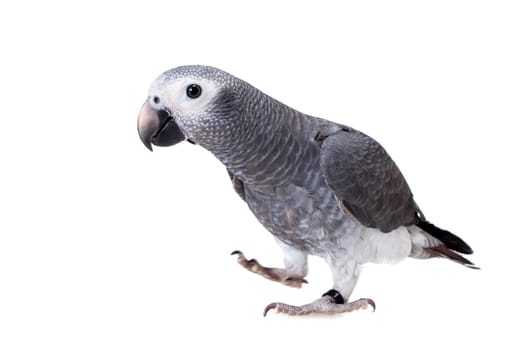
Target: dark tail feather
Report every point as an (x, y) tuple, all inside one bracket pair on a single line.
[(444, 252), (450, 240)]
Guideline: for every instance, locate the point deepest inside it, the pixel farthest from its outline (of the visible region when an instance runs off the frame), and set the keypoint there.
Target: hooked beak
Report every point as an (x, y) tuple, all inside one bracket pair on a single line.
[(157, 127)]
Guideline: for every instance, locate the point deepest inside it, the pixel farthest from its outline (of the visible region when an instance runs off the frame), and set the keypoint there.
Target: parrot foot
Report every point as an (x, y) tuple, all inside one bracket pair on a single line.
[(274, 274), (325, 305)]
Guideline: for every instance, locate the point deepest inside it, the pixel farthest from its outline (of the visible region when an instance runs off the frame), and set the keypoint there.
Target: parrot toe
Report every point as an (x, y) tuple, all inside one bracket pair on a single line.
[(272, 273), (294, 282), (324, 305)]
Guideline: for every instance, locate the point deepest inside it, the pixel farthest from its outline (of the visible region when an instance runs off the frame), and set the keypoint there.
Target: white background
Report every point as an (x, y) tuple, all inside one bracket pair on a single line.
[(104, 245)]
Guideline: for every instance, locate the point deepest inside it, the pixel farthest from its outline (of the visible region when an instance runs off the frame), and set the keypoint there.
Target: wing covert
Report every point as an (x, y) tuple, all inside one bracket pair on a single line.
[(366, 181)]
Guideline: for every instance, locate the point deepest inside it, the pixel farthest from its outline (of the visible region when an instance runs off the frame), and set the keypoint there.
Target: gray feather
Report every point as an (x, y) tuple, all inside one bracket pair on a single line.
[(238, 185), (366, 181)]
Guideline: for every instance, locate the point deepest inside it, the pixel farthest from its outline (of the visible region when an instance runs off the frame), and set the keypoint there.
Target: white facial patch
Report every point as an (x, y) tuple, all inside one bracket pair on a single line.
[(172, 94)]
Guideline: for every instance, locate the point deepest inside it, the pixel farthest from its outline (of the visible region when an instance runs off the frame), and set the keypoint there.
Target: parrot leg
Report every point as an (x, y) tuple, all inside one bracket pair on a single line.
[(288, 277), (328, 304), (345, 274)]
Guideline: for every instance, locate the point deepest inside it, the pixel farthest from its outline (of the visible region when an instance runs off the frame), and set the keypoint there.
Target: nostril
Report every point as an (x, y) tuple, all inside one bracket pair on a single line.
[(156, 99)]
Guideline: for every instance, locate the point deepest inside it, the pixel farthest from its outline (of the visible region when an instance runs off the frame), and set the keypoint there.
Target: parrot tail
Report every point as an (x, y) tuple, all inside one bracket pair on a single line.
[(441, 251), (449, 239), (429, 241)]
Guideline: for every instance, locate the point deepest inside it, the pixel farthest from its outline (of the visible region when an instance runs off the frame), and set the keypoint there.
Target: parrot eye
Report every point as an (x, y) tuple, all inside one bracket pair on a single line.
[(193, 91)]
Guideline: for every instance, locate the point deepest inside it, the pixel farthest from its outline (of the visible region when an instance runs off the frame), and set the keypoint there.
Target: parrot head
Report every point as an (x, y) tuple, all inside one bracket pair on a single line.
[(199, 104)]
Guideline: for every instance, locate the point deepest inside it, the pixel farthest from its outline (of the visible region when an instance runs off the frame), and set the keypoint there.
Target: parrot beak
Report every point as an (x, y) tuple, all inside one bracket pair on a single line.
[(157, 127)]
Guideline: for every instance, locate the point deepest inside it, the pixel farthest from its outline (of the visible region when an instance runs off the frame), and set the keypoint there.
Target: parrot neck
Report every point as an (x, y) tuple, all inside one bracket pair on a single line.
[(270, 144)]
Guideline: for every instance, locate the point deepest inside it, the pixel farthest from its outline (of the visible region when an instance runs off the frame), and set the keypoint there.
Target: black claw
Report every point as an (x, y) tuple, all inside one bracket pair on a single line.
[(236, 252), (372, 304), (302, 280), (268, 308)]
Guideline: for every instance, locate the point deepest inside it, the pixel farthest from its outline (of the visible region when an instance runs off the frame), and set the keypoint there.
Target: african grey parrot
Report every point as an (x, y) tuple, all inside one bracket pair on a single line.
[(319, 187)]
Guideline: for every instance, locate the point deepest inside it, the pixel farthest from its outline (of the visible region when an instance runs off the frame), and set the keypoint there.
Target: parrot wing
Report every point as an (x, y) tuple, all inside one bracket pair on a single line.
[(238, 185), (366, 181)]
